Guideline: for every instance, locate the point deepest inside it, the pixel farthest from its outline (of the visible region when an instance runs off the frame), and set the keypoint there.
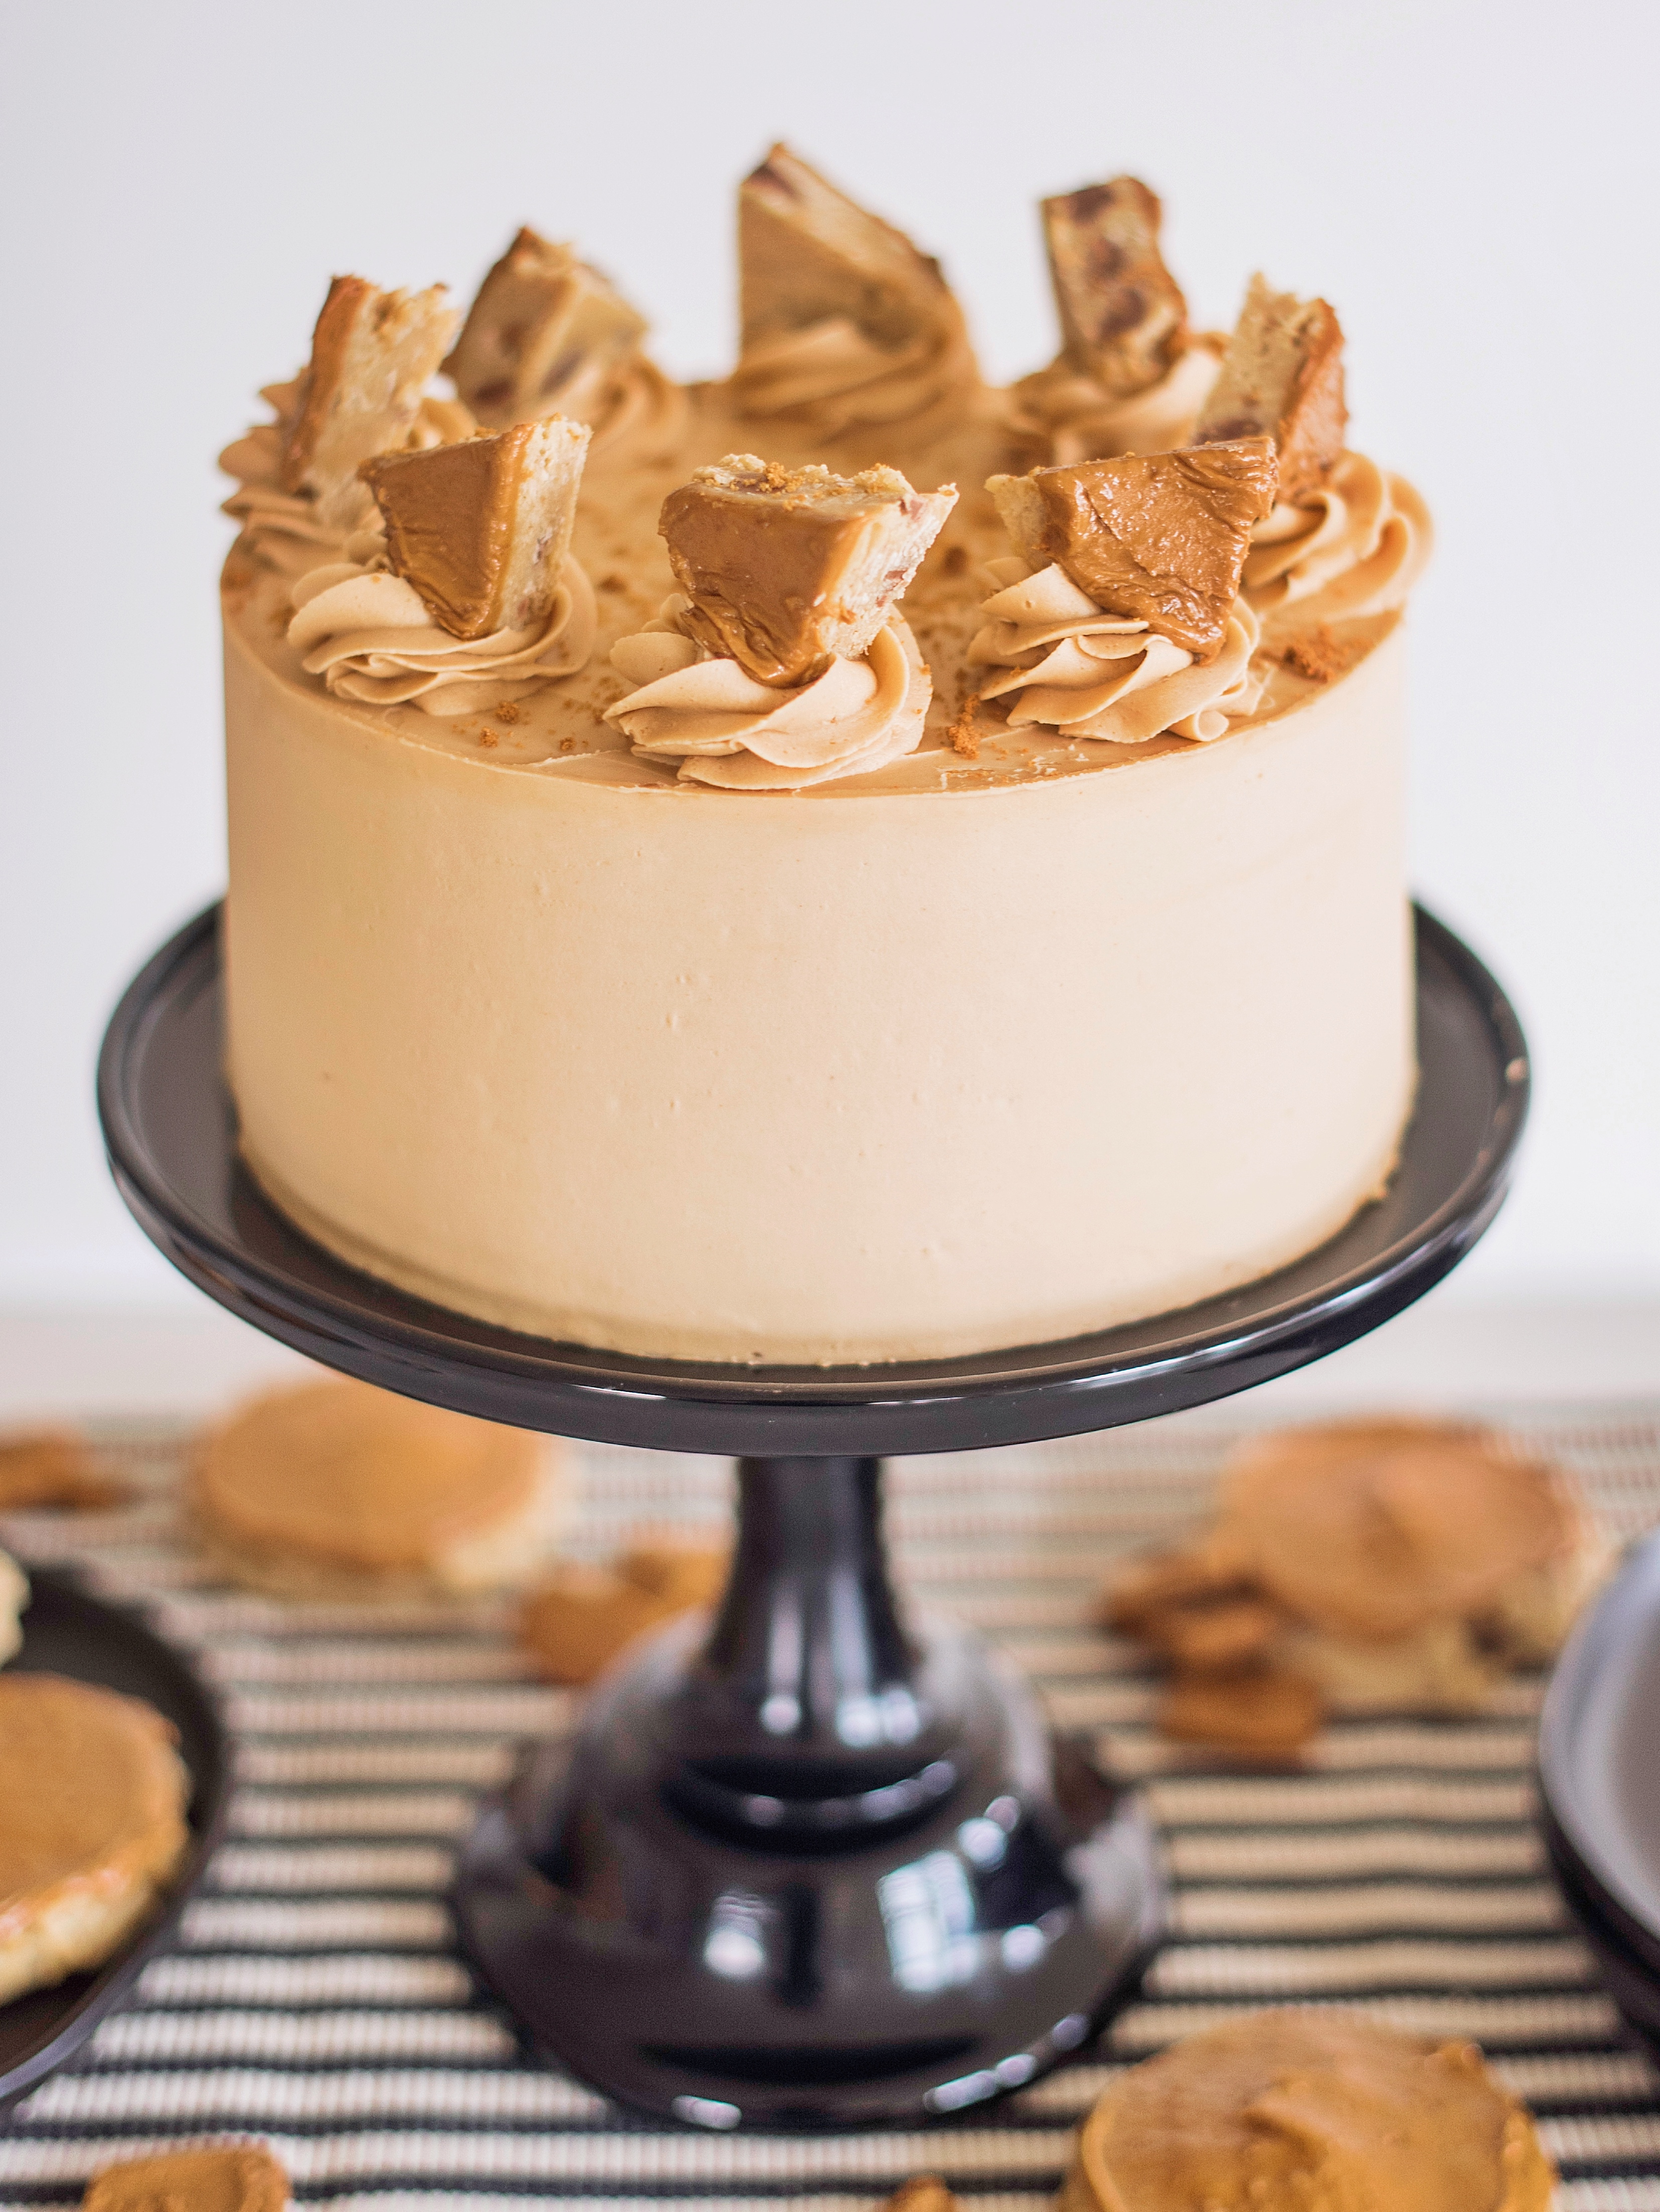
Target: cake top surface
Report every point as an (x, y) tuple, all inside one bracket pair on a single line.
[(1213, 560)]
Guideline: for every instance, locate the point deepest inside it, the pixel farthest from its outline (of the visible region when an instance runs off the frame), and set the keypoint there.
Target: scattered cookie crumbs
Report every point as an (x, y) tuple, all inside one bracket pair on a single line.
[(488, 737), (52, 1468), (568, 744), (1316, 654), (961, 736), (508, 711)]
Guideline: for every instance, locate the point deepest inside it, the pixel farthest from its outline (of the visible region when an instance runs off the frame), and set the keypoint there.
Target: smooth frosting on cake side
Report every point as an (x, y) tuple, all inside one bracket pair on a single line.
[(888, 1068)]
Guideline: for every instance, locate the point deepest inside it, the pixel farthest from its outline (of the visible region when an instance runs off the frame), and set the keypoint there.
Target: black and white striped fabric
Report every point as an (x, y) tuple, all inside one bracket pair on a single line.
[(314, 1998)]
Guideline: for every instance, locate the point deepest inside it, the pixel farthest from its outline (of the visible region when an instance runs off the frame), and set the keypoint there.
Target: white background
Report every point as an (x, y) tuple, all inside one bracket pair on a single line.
[(1473, 186)]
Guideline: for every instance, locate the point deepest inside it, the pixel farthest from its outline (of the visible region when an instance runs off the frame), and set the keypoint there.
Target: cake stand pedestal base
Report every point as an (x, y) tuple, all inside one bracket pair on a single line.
[(806, 1869)]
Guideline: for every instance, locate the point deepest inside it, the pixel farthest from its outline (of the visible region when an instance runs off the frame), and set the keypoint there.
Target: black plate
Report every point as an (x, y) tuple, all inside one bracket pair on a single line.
[(170, 1131), (1599, 1778), (66, 1631)]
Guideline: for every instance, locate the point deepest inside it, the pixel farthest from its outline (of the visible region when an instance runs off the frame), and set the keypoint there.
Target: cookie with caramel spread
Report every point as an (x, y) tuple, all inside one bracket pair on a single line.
[(577, 1621), (1360, 1566), (232, 2177), (1123, 319), (1159, 538), (1282, 378), (92, 1825), (372, 355), (339, 1486), (544, 331), (788, 568), (1323, 2111), (482, 529)]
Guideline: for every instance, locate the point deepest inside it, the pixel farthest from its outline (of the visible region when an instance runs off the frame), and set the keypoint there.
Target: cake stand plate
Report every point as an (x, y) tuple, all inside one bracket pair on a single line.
[(813, 1865), (170, 1130), (68, 1631)]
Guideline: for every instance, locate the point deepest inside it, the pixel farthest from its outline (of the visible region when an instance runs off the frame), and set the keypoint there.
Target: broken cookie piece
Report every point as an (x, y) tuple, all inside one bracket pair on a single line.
[(372, 355), (807, 254), (1123, 319), (1282, 378), (541, 338), (482, 530), (1159, 537), (1257, 1712), (787, 569)]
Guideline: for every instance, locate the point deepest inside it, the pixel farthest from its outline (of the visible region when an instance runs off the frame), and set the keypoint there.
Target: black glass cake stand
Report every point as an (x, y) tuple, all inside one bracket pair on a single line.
[(815, 1863)]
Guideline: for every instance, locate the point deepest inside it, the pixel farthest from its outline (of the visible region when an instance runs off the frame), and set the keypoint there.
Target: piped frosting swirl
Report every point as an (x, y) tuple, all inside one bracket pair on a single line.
[(370, 637), (283, 530), (1066, 663), (701, 713), (1075, 418), (1354, 546), (831, 378)]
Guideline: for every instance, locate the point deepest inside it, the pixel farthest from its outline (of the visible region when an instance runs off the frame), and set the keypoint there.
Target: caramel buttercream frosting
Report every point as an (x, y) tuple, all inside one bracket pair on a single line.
[(470, 596), (1390, 1563), (286, 530), (782, 662), (846, 325), (550, 334), (217, 2178), (336, 1483), (1121, 620), (1355, 546), (92, 1825), (1325, 2112)]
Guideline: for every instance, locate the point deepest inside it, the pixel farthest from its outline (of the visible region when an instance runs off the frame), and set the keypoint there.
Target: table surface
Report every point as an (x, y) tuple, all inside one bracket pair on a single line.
[(314, 1999)]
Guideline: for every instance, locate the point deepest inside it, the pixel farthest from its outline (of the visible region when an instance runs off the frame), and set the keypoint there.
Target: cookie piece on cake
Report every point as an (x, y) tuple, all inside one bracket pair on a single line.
[(1123, 319), (218, 2178), (482, 529), (92, 1825), (1158, 537), (336, 1488), (807, 254), (1282, 378), (1308, 2108), (372, 355), (1356, 1567), (787, 569), (542, 335)]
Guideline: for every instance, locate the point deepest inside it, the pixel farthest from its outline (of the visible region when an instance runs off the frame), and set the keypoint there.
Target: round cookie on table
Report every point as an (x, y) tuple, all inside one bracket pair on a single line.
[(1317, 2109), (218, 2178), (92, 1795), (577, 1620), (338, 1489), (1357, 1567)]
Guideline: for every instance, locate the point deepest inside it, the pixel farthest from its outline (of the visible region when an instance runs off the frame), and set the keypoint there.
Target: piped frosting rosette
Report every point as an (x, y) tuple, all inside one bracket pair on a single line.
[(639, 419), (283, 530), (1077, 419), (830, 377), (369, 635), (700, 712), (1066, 663), (1356, 546)]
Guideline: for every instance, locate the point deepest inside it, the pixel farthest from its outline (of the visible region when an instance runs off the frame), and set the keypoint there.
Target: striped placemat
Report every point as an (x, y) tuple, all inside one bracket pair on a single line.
[(313, 1997)]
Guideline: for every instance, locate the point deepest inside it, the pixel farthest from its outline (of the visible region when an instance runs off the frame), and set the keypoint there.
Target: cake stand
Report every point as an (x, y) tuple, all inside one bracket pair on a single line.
[(816, 1863)]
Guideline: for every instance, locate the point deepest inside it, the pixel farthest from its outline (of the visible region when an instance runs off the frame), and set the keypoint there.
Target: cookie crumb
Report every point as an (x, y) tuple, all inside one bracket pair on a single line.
[(1318, 654), (961, 736)]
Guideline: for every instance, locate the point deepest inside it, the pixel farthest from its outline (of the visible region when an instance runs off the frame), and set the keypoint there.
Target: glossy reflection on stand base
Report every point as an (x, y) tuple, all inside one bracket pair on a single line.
[(803, 1867), (960, 1951)]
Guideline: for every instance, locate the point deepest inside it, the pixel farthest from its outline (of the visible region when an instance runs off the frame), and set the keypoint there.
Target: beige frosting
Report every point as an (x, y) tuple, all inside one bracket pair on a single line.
[(370, 636), (1357, 547), (1081, 420), (639, 420), (1090, 674), (704, 713), (830, 377), (282, 529)]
